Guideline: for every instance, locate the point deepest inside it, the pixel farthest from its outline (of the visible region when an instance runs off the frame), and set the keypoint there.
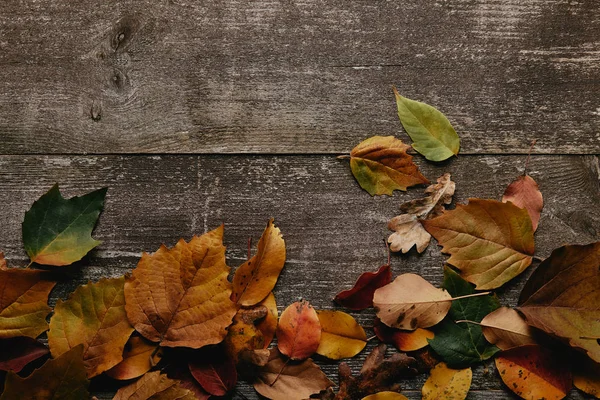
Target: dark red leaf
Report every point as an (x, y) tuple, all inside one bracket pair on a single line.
[(216, 377), (17, 352), (186, 380), (361, 295)]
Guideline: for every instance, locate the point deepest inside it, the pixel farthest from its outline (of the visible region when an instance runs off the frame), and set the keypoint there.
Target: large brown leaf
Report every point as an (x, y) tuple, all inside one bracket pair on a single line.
[(180, 296), (155, 386), (254, 280), (562, 297), (23, 302), (490, 242)]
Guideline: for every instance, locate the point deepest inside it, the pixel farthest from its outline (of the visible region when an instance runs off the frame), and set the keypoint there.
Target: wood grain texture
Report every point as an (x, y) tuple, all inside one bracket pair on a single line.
[(333, 229), (290, 76)]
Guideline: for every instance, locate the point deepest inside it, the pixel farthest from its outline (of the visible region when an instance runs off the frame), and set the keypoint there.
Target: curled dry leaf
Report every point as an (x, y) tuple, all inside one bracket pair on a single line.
[(139, 356), (489, 242), (60, 378), (179, 297), (381, 165), (94, 316), (410, 302), (268, 325), (408, 229), (341, 335), (447, 384), (561, 297), (586, 377), (254, 280), (243, 334), (16, 353), (506, 328), (361, 294), (432, 134), (23, 302), (155, 386), (402, 340), (299, 331), (385, 396), (57, 231), (217, 374), (533, 372), (525, 193), (280, 380)]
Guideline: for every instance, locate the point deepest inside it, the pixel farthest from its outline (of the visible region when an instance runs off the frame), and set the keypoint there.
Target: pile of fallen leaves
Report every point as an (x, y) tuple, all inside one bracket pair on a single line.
[(178, 328)]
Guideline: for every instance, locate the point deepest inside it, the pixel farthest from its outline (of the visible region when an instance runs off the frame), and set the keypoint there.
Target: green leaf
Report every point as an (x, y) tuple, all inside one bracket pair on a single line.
[(463, 344), (57, 231), (432, 134)]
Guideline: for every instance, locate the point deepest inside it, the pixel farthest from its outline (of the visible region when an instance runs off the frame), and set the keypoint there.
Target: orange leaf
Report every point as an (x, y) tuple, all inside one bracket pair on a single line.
[(180, 296), (254, 280), (139, 357), (489, 242), (154, 386), (299, 331), (403, 340), (268, 325), (524, 192)]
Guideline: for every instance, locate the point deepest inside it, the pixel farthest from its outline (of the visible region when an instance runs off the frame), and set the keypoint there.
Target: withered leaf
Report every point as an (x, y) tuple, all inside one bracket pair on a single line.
[(94, 316), (525, 193), (341, 335), (23, 302), (506, 329), (361, 294), (17, 352), (561, 297), (490, 242), (447, 384), (243, 334), (254, 280), (180, 296), (410, 302), (155, 386), (268, 325), (408, 229), (402, 340), (381, 165), (139, 356), (60, 378), (216, 374), (299, 331)]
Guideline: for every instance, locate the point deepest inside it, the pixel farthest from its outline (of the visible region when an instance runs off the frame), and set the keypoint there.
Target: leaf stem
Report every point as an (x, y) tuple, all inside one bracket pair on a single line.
[(29, 265), (529, 156), (343, 156), (387, 246), (371, 338), (280, 372), (467, 321), (470, 295)]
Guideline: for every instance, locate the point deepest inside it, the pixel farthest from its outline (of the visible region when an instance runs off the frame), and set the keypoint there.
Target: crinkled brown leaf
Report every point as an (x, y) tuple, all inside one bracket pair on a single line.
[(254, 280), (381, 165), (562, 297), (299, 331), (490, 242), (139, 356), (155, 386), (525, 193), (179, 297), (243, 334), (360, 296), (17, 352), (506, 328), (408, 229)]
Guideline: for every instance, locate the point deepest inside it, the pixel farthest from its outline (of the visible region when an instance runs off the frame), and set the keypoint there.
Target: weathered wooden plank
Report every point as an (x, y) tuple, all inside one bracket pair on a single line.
[(333, 229), (289, 76)]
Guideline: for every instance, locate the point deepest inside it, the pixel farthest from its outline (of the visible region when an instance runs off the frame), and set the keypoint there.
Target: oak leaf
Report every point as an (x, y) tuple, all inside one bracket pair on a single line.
[(341, 335), (533, 372), (299, 331), (381, 165), (402, 340), (243, 335), (17, 352), (385, 396), (60, 378), (155, 386), (410, 302), (23, 302), (525, 193), (216, 374), (561, 297), (360, 296), (432, 134), (280, 380), (489, 242), (268, 325), (139, 356), (586, 377), (180, 296), (94, 316), (506, 329), (407, 227), (57, 231), (256, 278), (447, 384)]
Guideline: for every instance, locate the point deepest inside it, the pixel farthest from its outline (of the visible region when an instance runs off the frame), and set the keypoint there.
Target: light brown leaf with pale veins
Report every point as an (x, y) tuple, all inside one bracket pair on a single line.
[(506, 328), (408, 229)]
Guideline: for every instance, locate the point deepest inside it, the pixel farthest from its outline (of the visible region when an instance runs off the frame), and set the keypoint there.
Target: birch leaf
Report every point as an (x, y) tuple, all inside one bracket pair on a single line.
[(341, 335)]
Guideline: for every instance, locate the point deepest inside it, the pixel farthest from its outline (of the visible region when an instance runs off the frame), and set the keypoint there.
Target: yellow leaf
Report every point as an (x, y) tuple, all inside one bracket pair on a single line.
[(268, 325), (385, 396), (243, 334), (447, 384), (139, 357), (341, 335)]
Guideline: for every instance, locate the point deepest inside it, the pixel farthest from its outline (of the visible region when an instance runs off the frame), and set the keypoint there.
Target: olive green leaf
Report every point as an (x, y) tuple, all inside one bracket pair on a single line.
[(432, 134), (57, 231)]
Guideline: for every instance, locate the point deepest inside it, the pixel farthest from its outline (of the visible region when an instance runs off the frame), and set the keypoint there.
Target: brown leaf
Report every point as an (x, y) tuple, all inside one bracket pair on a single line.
[(489, 242), (525, 193), (268, 325), (561, 297), (410, 302), (16, 353), (179, 297), (341, 335), (23, 302), (506, 329), (381, 165), (139, 356), (377, 375), (361, 294), (243, 333), (256, 278), (283, 380), (402, 340), (154, 386), (408, 229), (299, 331)]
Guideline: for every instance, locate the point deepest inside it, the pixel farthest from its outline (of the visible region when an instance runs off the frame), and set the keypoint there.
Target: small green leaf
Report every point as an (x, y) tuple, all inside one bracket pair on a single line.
[(57, 231), (432, 134), (463, 344)]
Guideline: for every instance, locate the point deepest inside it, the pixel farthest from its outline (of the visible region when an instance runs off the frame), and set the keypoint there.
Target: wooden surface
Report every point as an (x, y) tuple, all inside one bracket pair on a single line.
[(147, 97)]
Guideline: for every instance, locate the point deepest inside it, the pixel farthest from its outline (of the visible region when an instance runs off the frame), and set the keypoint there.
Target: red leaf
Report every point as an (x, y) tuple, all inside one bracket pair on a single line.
[(525, 193), (217, 377), (361, 295), (17, 352), (187, 381), (299, 331)]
